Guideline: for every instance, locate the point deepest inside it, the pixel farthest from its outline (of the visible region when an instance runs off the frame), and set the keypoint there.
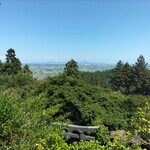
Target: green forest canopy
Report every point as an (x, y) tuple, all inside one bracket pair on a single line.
[(115, 100)]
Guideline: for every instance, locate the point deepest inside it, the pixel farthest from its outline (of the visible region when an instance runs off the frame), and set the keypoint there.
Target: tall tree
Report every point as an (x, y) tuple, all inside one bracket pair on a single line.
[(122, 78), (141, 76), (116, 80), (127, 79), (12, 64), (71, 69)]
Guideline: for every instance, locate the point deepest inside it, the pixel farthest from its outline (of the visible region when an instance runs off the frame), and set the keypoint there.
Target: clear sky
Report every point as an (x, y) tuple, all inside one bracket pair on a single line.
[(103, 31)]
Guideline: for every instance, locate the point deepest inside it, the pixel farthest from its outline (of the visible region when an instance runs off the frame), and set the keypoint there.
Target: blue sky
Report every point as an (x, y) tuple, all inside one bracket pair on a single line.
[(103, 31)]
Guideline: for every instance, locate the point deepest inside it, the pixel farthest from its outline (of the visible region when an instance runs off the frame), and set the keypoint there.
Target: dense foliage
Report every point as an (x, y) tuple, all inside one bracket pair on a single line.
[(125, 78), (116, 100)]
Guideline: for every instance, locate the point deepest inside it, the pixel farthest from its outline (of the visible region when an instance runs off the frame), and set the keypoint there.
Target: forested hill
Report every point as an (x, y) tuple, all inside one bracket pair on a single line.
[(116, 100)]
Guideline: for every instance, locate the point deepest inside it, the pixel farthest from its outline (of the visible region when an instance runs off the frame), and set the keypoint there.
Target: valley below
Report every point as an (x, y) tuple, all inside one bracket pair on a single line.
[(42, 71)]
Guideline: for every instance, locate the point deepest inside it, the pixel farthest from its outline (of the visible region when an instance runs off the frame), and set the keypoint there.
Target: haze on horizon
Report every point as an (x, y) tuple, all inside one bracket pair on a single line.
[(93, 31)]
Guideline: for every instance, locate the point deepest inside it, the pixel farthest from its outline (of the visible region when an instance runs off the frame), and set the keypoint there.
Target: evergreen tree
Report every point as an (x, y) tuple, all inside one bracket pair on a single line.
[(1, 67), (127, 82), (71, 69), (123, 78), (26, 69), (141, 76), (116, 80), (12, 64)]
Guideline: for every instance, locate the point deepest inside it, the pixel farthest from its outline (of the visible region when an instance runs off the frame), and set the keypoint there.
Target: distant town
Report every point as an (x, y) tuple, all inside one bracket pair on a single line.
[(41, 71)]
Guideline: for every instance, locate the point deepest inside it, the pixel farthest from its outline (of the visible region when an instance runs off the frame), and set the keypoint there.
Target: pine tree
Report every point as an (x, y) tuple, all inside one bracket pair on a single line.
[(122, 78), (127, 82), (27, 70), (71, 69), (116, 80), (141, 75), (1, 67), (12, 64)]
